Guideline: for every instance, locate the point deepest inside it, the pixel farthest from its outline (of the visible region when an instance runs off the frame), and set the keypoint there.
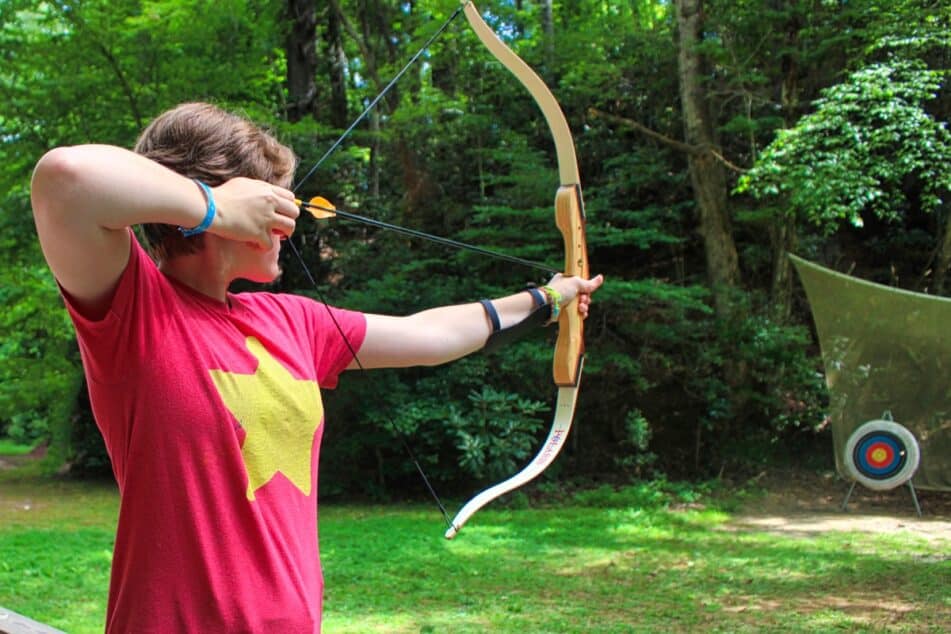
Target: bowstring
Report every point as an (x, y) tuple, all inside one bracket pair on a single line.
[(400, 433), (376, 100)]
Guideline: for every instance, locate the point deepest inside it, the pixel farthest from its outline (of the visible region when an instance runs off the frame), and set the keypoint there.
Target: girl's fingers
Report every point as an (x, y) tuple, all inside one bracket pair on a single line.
[(283, 225), (287, 207), (593, 284), (283, 193)]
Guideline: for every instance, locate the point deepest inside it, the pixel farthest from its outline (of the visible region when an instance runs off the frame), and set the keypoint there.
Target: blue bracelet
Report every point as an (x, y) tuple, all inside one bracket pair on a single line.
[(209, 213)]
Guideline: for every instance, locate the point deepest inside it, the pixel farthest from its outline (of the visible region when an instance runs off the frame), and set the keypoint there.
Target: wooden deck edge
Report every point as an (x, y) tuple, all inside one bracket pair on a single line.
[(13, 623)]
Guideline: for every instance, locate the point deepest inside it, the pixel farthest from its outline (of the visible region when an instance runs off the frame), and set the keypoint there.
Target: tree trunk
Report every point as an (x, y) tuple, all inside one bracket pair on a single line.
[(548, 28), (707, 173), (783, 235), (783, 239), (943, 261), (301, 59), (374, 175), (337, 68)]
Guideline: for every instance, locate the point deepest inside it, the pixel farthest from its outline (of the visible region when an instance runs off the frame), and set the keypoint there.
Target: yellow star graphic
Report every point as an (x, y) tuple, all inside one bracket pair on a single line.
[(280, 415)]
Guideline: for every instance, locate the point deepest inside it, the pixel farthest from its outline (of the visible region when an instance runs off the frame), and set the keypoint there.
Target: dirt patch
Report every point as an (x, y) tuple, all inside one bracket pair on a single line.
[(870, 611), (11, 462), (811, 524), (807, 503)]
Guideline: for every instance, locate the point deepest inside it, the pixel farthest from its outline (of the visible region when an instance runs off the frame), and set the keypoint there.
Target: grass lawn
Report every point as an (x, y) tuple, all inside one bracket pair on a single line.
[(629, 564), (11, 448)]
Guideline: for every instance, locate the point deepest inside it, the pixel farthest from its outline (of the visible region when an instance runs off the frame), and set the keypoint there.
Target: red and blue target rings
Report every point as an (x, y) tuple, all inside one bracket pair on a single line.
[(879, 455)]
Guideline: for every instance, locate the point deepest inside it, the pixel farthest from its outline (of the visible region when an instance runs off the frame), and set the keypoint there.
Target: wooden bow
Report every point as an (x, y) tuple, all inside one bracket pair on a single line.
[(570, 219)]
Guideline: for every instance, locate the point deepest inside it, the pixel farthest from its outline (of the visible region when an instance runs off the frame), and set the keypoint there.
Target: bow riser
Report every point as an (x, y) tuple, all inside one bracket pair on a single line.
[(569, 350)]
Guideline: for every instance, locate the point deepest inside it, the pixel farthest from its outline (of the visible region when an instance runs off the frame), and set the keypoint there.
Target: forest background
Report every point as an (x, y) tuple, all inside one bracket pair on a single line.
[(713, 138)]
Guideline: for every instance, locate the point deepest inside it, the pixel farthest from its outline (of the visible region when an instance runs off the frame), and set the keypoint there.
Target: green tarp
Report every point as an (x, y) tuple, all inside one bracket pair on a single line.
[(885, 350)]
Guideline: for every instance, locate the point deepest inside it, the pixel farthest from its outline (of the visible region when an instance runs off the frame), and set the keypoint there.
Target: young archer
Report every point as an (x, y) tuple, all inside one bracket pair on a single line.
[(208, 401)]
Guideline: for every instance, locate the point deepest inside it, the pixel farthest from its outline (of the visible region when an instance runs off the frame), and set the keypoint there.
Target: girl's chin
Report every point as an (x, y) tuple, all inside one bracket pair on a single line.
[(257, 279), (275, 244), (263, 277)]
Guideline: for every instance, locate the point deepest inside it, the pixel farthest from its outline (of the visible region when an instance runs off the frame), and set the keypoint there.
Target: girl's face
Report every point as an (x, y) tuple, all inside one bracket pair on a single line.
[(253, 263)]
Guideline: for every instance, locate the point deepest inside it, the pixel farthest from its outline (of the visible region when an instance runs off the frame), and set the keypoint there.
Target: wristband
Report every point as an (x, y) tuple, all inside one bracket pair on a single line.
[(538, 298), (492, 313), (554, 298), (209, 212)]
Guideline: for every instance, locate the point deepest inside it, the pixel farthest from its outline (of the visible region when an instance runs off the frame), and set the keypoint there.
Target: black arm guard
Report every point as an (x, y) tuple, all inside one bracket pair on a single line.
[(500, 338)]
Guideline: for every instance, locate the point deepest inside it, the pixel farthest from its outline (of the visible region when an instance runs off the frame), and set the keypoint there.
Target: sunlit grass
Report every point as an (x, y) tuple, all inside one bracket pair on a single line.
[(11, 448), (560, 569)]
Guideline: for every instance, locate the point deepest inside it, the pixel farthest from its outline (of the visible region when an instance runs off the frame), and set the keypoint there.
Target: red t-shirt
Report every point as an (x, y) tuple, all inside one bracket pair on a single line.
[(212, 416)]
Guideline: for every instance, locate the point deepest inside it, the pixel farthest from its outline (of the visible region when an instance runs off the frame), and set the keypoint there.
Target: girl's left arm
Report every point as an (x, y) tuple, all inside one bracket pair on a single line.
[(440, 335)]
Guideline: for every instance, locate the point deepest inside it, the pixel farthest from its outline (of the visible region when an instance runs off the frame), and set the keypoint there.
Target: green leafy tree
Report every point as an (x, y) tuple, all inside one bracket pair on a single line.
[(854, 154), (458, 149)]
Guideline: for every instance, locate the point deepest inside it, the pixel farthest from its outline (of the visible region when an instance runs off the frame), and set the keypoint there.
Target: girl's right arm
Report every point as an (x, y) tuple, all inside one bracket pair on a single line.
[(85, 198)]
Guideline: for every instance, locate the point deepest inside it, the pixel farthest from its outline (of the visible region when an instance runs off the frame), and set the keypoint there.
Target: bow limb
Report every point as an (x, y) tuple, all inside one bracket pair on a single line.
[(570, 219)]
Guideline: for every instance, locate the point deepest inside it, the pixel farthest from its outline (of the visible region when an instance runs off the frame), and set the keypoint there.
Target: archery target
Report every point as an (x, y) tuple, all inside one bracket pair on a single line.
[(881, 454)]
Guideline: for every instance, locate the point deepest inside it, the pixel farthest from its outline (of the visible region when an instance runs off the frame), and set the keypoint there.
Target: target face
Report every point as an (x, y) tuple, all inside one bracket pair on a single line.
[(882, 454)]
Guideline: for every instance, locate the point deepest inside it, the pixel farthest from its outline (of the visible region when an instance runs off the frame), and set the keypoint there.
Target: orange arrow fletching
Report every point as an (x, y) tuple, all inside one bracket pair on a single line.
[(319, 207)]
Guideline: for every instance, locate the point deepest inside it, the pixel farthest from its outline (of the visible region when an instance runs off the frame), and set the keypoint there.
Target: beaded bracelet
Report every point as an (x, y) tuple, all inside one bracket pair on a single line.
[(554, 298)]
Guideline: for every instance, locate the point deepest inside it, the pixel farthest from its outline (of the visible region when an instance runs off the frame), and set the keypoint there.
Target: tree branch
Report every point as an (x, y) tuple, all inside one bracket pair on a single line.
[(368, 55), (666, 140)]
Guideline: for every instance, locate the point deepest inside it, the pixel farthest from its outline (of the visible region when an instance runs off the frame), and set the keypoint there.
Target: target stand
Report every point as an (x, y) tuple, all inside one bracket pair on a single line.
[(882, 455)]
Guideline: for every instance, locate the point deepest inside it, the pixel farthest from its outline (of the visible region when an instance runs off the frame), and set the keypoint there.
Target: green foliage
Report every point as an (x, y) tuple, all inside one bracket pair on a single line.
[(39, 369), (854, 155), (644, 495), (784, 385), (458, 149), (638, 431), (653, 494), (636, 457), (10, 447), (710, 392), (496, 435), (77, 441), (757, 387)]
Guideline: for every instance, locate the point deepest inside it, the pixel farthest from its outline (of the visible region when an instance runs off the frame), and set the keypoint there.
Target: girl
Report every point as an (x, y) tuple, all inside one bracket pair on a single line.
[(209, 402)]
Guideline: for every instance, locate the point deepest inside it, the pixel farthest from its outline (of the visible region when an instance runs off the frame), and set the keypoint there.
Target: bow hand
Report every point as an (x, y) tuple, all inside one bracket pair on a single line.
[(572, 287)]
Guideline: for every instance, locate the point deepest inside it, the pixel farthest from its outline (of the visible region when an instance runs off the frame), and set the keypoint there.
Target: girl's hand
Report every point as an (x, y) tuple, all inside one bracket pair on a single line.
[(253, 211), (571, 287)]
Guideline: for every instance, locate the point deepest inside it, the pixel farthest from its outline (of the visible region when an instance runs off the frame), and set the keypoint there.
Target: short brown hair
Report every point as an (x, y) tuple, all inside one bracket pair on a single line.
[(200, 140)]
